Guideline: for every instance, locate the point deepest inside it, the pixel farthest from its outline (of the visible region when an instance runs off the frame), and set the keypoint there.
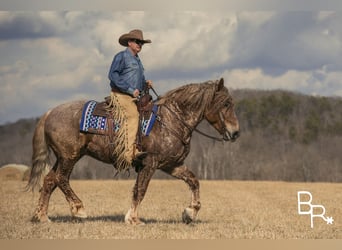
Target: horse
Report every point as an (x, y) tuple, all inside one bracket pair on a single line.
[(168, 144)]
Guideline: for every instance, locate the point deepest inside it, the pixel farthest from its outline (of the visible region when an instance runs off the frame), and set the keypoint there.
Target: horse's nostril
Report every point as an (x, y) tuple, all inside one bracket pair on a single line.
[(235, 135)]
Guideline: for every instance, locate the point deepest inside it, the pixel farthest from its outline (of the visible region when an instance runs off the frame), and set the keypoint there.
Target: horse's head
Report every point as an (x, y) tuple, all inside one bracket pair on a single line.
[(220, 113)]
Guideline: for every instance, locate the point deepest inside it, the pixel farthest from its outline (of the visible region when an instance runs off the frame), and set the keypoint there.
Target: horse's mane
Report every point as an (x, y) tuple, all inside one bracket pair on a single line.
[(193, 95)]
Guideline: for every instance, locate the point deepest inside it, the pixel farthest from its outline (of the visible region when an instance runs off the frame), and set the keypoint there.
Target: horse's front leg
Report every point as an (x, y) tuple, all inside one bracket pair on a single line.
[(182, 172), (143, 179)]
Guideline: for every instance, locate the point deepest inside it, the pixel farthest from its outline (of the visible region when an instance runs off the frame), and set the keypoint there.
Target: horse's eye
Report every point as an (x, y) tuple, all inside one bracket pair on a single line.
[(227, 104)]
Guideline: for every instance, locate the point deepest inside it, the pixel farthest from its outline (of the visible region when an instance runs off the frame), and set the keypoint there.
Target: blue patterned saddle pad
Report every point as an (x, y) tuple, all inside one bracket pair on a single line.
[(147, 123), (97, 124)]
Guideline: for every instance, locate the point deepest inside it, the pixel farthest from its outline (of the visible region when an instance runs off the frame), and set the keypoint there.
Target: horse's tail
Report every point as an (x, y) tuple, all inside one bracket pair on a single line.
[(40, 155)]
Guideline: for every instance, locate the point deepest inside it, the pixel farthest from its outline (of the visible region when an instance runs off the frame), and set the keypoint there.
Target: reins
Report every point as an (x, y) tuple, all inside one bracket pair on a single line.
[(186, 125), (209, 136)]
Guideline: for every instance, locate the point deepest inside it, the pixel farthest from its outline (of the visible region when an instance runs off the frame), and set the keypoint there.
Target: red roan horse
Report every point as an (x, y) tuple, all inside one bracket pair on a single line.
[(168, 144)]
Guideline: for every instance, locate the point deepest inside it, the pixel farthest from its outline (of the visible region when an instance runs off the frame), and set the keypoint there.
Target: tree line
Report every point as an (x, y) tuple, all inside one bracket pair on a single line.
[(285, 136)]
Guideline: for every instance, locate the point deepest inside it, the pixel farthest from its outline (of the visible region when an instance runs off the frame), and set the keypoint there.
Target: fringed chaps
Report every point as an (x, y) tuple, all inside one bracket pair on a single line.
[(125, 111)]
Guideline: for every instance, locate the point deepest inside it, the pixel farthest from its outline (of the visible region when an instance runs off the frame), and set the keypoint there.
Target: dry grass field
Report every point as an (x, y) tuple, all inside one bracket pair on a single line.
[(230, 210)]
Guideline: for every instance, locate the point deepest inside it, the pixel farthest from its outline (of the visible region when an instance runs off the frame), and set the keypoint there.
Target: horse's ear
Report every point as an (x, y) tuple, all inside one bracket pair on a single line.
[(220, 84)]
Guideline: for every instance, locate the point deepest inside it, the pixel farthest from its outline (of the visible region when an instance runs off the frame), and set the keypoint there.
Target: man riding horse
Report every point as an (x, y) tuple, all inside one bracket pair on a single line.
[(179, 112), (127, 81)]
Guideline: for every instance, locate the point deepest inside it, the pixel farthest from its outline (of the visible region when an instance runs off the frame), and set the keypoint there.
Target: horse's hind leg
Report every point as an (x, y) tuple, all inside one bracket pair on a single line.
[(48, 187), (183, 173), (62, 176)]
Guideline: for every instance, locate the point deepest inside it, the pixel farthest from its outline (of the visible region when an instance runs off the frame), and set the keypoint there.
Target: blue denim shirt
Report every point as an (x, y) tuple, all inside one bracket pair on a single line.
[(127, 72)]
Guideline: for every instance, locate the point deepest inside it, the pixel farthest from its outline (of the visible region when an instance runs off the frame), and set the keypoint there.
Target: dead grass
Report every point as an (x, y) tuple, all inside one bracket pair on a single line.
[(230, 210)]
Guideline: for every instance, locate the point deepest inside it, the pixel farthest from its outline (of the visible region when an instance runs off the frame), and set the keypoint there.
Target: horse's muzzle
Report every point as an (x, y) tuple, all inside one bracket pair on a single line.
[(227, 136)]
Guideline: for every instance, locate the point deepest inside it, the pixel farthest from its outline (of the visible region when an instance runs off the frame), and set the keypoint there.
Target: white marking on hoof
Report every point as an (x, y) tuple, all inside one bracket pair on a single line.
[(188, 215), (81, 213), (132, 220)]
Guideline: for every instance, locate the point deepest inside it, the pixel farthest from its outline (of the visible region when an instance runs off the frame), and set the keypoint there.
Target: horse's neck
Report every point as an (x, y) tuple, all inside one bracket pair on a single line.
[(187, 104), (189, 118)]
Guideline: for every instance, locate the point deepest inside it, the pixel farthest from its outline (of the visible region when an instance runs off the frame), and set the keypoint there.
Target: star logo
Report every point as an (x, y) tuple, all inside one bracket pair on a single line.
[(330, 220)]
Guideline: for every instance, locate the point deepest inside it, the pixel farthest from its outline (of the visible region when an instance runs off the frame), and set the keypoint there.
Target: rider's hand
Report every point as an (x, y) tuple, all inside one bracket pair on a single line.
[(149, 83), (136, 93)]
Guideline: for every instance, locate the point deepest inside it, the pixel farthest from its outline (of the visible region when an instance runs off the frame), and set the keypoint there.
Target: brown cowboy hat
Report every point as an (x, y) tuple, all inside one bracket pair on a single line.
[(133, 34)]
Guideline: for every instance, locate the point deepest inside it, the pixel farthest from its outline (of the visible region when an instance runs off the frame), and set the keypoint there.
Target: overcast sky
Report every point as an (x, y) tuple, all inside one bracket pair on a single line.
[(51, 57)]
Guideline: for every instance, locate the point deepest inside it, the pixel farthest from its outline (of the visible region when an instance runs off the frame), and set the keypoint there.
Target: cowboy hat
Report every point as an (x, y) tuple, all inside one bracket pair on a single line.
[(133, 34)]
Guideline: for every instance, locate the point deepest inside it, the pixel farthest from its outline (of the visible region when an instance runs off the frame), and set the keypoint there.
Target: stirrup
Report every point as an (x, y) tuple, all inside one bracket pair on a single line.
[(137, 160), (140, 155)]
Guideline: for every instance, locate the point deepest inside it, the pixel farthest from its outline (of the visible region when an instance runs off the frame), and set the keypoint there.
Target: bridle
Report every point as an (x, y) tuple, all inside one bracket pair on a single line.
[(191, 129), (223, 126)]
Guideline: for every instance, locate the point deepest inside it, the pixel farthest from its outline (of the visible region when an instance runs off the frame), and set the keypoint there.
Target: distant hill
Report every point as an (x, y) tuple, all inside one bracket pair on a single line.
[(284, 136)]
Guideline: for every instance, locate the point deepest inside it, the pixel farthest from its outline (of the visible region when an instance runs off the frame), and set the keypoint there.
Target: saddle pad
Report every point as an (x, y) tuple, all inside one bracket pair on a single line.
[(99, 124), (147, 124), (94, 123)]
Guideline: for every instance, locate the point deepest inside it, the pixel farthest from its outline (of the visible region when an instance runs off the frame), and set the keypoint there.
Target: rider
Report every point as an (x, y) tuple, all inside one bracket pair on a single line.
[(127, 81)]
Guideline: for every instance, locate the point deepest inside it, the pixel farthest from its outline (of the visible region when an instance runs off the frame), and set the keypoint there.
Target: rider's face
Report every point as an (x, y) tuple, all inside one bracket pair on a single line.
[(135, 46)]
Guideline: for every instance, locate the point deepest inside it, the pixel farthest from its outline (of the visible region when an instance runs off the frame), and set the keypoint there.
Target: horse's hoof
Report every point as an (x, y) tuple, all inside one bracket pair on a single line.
[(135, 222), (40, 219), (132, 220), (81, 214), (188, 215)]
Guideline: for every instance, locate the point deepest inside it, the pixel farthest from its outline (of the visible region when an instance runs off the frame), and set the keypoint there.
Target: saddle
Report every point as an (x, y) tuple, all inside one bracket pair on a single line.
[(101, 110), (144, 106)]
